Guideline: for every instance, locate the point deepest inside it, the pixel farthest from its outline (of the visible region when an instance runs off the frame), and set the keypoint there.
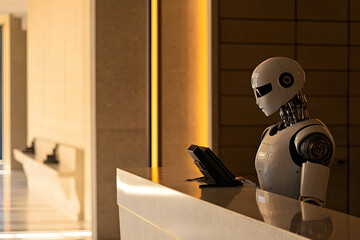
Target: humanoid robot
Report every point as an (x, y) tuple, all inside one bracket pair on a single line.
[(295, 155)]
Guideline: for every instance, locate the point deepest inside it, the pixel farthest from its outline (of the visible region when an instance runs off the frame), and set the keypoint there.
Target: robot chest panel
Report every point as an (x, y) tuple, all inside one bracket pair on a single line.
[(274, 151), (275, 168)]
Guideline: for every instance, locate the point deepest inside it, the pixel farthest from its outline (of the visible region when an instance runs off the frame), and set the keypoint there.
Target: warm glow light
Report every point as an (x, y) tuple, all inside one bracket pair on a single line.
[(203, 71), (154, 85), (45, 235), (155, 174), (202, 56)]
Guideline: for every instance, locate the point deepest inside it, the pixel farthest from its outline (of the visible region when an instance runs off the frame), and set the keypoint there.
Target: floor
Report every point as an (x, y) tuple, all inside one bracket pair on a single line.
[(27, 216)]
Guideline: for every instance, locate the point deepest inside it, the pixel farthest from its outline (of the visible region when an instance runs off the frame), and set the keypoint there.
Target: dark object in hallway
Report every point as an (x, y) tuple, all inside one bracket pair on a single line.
[(51, 158), (31, 149), (215, 172)]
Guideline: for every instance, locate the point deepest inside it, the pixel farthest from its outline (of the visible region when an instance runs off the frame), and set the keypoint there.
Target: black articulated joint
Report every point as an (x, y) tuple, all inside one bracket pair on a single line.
[(295, 156), (286, 80), (317, 147)]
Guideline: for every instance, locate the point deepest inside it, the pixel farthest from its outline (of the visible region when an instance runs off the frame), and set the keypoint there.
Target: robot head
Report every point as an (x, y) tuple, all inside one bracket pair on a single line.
[(275, 81)]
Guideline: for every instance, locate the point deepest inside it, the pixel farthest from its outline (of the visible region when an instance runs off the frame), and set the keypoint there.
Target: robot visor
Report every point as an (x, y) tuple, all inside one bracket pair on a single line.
[(263, 90)]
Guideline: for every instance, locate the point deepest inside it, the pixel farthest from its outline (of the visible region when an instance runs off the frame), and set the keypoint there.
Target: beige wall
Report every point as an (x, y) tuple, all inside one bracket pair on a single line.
[(184, 66), (323, 36), (59, 87), (121, 80), (121, 65)]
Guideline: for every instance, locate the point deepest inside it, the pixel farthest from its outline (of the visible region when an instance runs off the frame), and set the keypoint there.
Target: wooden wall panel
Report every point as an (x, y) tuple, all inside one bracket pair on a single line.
[(243, 111), (354, 58), (322, 32), (354, 84), (355, 33), (338, 190), (235, 83), (354, 10), (240, 135), (354, 113), (330, 110), (326, 83), (247, 31), (241, 56), (324, 39), (354, 161), (339, 133), (322, 57), (257, 9), (322, 10), (354, 135), (240, 160), (354, 108)]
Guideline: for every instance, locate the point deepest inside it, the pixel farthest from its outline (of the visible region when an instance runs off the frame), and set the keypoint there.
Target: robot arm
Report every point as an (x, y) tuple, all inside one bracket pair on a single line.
[(314, 181), (316, 145)]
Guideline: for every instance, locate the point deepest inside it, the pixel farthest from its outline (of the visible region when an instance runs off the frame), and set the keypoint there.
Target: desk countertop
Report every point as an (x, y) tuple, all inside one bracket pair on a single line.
[(263, 208)]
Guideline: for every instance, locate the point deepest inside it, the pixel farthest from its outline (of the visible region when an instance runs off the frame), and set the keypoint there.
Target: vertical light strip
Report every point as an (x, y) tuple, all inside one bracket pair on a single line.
[(209, 74), (154, 85), (203, 72), (155, 174)]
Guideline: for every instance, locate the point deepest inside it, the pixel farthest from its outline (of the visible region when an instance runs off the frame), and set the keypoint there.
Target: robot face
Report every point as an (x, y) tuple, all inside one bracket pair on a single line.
[(275, 81), (268, 98), (260, 95), (263, 90)]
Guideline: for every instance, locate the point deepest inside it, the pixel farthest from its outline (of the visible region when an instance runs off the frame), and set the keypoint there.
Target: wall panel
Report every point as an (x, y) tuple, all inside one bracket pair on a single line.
[(257, 9), (256, 31), (322, 10), (235, 83), (322, 32), (59, 99), (320, 35), (244, 56), (184, 69), (121, 79)]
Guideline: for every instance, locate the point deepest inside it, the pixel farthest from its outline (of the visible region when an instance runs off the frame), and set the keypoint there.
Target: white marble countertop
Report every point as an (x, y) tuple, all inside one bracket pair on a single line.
[(270, 214)]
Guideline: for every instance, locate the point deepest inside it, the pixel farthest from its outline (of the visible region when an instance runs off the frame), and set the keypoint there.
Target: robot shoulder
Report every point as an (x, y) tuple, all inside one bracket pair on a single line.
[(316, 144), (264, 133), (271, 129)]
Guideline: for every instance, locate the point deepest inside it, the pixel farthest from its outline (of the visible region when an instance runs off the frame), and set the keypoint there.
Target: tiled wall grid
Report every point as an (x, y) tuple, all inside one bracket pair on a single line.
[(324, 36)]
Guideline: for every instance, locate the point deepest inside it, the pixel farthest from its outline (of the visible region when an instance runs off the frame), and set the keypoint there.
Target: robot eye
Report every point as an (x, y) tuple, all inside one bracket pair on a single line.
[(263, 90), (286, 80)]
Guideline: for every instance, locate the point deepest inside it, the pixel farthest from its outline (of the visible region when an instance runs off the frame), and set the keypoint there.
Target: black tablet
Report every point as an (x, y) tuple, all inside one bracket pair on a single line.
[(214, 171)]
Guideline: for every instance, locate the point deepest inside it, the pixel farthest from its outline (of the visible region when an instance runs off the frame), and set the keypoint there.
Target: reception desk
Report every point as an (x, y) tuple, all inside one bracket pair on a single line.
[(163, 205)]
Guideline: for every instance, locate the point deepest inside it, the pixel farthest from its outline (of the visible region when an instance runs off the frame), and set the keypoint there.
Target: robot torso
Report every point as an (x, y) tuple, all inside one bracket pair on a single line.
[(277, 162)]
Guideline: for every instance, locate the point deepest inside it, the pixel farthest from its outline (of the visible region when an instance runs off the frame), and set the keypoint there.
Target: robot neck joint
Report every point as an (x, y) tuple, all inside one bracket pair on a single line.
[(295, 110)]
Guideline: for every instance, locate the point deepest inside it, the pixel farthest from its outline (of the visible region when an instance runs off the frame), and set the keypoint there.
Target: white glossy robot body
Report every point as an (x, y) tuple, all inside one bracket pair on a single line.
[(294, 155), (279, 163)]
